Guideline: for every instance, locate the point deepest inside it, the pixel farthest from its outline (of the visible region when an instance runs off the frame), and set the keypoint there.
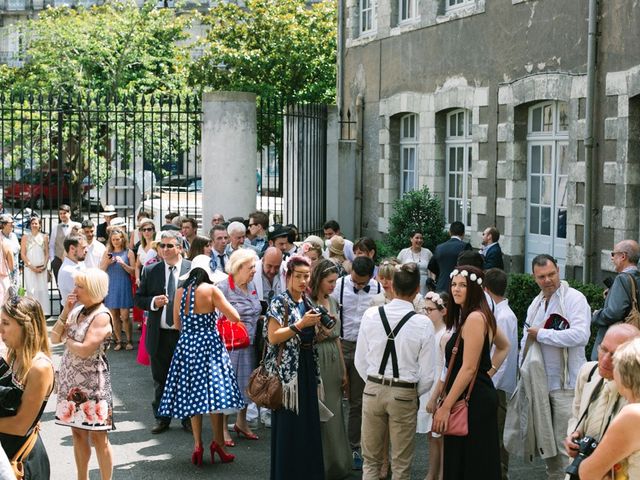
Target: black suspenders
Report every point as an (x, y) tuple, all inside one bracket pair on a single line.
[(390, 349)]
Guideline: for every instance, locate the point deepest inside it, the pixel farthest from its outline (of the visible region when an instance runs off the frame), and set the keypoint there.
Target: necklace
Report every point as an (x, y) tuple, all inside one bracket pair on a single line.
[(413, 256)]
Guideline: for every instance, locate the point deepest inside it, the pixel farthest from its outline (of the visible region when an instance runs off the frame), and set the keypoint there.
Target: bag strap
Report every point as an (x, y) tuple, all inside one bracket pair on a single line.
[(340, 307), (27, 446), (633, 295), (390, 348), (454, 353), (280, 350)]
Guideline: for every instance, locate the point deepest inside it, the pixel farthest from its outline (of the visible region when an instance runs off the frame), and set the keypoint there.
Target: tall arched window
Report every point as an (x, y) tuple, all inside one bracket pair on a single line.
[(408, 152), (458, 158)]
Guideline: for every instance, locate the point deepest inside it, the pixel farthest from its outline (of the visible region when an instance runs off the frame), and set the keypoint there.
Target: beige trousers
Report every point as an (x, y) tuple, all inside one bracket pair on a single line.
[(392, 411), (561, 405)]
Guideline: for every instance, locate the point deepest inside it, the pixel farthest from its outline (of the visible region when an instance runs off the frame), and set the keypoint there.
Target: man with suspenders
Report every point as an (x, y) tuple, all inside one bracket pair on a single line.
[(395, 353), (354, 293)]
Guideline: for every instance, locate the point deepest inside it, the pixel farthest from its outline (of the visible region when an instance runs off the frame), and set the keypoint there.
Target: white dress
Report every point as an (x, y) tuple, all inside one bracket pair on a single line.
[(425, 419), (36, 284), (406, 255)]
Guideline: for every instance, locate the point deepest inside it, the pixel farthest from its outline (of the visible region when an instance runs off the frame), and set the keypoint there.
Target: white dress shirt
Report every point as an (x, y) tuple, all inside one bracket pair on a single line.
[(65, 277), (415, 345), (264, 285), (94, 254), (505, 378), (553, 343), (176, 274), (353, 305)]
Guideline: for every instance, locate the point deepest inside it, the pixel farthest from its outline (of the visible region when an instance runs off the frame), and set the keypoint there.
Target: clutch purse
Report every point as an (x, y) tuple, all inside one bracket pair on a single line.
[(234, 335)]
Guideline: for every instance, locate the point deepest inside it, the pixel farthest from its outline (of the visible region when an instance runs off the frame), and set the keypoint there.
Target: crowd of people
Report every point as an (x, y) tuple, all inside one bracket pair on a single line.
[(424, 342)]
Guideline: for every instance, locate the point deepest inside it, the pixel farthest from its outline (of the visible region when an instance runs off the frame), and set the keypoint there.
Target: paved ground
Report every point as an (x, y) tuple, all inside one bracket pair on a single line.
[(139, 455)]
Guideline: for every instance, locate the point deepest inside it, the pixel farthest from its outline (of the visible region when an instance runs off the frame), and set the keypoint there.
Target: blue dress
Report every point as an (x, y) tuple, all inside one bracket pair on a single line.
[(201, 379), (120, 293)]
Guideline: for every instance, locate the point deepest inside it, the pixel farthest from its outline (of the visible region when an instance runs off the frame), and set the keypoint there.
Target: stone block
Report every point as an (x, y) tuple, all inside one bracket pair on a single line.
[(480, 133), (633, 81), (516, 189), (610, 172), (581, 127), (623, 106), (383, 166), (383, 136), (383, 225), (611, 128), (615, 217), (480, 169), (505, 95), (575, 215), (479, 205), (616, 83), (481, 97), (577, 171), (505, 132)]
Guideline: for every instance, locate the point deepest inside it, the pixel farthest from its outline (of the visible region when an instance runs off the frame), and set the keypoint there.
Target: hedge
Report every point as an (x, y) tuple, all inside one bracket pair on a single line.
[(522, 289)]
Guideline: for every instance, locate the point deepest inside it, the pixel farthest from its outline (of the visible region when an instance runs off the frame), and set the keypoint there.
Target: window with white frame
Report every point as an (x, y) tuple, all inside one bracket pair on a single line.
[(407, 10), (458, 158), (408, 153), (454, 4), (367, 16)]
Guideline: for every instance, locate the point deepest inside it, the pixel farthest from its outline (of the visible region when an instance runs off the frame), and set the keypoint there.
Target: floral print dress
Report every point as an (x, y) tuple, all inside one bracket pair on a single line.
[(84, 384)]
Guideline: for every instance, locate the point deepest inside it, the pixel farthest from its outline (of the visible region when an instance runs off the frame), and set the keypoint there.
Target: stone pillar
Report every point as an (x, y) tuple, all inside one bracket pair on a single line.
[(333, 166), (229, 155)]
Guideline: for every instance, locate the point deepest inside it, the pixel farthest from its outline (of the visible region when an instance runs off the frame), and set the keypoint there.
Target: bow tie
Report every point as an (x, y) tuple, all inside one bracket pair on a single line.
[(365, 289)]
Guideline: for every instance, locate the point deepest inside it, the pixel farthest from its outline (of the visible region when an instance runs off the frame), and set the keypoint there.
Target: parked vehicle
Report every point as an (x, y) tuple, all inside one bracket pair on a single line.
[(39, 189)]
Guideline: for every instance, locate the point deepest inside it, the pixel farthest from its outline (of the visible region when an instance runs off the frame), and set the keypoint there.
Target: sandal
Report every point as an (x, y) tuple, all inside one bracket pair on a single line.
[(117, 347), (128, 346)]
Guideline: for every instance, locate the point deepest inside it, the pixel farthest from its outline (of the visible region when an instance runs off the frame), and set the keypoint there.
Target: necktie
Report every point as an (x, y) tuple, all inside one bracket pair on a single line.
[(221, 257), (365, 289), (171, 292)]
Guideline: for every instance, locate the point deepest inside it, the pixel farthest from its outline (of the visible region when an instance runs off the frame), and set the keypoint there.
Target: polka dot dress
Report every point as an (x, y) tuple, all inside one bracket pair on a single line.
[(201, 379)]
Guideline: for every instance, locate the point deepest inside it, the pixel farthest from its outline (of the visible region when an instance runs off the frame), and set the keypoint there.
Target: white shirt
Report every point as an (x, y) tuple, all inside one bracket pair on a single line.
[(415, 345), (65, 277), (94, 254), (505, 378), (176, 274), (353, 305), (577, 311), (264, 285)]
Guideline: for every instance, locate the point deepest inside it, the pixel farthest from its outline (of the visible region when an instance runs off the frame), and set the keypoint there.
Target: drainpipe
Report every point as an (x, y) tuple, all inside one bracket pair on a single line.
[(339, 54), (359, 179), (588, 140)]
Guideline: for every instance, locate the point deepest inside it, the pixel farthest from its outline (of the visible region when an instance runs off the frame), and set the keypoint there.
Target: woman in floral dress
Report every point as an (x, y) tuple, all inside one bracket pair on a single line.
[(84, 383)]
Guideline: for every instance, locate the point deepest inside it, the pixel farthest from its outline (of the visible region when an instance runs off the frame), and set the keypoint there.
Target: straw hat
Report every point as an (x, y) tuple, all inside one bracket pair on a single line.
[(337, 246)]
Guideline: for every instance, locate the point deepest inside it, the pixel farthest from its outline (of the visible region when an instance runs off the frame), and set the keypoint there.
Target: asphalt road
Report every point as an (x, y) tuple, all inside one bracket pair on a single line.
[(140, 455)]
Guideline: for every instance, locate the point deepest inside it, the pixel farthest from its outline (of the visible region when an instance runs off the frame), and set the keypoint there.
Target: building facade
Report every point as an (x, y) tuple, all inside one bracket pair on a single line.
[(483, 101)]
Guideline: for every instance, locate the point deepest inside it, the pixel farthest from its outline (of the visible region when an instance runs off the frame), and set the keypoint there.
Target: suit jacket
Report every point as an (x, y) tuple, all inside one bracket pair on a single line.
[(493, 258), (152, 283), (445, 259)]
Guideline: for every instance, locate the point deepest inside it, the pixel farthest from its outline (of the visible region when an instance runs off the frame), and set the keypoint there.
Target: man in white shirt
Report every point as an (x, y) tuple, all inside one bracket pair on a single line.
[(237, 234), (267, 280), (559, 319), (219, 240), (56, 241), (354, 293), (395, 354), (495, 286), (75, 247), (95, 249), (331, 229)]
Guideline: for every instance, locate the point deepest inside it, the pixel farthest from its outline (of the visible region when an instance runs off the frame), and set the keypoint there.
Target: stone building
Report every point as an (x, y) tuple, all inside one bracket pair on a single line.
[(484, 102)]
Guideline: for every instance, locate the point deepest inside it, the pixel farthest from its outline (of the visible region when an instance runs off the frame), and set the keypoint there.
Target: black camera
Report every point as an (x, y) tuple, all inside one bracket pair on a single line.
[(325, 319), (586, 446)]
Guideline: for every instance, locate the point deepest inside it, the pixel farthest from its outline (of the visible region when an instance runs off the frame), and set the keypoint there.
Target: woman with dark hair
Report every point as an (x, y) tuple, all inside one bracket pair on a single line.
[(201, 379), (335, 444), (474, 331), (419, 255), (24, 331), (34, 251), (296, 444), (199, 246)]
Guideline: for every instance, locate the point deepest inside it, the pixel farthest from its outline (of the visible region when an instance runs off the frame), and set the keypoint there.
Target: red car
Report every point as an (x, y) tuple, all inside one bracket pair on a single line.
[(40, 189)]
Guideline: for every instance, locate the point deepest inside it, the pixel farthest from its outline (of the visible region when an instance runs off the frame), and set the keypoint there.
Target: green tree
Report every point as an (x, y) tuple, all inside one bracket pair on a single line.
[(415, 210), (272, 48)]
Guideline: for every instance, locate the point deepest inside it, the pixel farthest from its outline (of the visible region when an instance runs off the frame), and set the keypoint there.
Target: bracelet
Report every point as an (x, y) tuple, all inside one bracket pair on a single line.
[(295, 329), (62, 320), (494, 367)]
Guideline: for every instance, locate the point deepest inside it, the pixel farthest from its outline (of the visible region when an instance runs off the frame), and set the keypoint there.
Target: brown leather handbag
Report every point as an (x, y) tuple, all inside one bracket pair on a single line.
[(265, 389), (17, 460)]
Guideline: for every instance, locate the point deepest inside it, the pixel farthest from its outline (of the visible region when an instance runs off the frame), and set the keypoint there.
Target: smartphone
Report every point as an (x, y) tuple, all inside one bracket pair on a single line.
[(608, 282), (110, 255)]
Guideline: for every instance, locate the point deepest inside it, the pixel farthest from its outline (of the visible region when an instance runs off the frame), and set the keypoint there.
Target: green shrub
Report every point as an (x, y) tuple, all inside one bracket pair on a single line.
[(522, 289), (384, 251), (415, 210)]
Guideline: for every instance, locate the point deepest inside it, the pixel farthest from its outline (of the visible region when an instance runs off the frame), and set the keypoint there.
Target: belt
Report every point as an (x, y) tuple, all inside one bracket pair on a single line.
[(306, 346), (390, 382)]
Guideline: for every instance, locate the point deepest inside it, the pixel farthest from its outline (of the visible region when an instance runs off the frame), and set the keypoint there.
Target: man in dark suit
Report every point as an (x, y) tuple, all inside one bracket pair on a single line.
[(445, 257), (158, 285), (491, 251)]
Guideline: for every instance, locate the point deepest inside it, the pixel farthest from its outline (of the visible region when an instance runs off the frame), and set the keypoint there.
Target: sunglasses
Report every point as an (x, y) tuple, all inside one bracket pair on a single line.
[(167, 245), (148, 229)]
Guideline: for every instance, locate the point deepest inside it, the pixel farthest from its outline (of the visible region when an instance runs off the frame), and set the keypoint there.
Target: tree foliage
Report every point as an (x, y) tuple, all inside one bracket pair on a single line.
[(416, 210), (272, 48)]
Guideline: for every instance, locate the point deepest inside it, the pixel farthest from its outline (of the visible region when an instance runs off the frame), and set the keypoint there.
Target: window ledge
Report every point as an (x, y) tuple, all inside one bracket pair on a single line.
[(406, 26), (462, 11), (363, 39)]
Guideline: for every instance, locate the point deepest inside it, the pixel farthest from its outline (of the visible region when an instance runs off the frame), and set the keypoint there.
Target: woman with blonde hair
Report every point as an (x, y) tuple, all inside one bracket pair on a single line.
[(85, 400), (239, 290), (24, 331)]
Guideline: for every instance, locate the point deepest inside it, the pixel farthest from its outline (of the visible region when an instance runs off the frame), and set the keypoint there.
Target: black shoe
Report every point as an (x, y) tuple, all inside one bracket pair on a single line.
[(186, 425), (160, 427)]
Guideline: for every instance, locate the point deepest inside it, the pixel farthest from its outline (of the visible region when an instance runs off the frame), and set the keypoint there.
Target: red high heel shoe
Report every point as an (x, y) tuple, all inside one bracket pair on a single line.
[(224, 456), (196, 456), (247, 435)]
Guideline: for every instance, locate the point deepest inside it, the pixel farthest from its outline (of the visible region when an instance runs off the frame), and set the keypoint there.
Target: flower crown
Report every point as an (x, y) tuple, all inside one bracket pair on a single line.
[(463, 273), (435, 298)]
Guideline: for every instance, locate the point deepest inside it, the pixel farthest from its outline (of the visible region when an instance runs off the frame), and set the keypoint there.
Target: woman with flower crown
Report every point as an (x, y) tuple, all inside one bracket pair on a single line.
[(85, 400), (469, 369)]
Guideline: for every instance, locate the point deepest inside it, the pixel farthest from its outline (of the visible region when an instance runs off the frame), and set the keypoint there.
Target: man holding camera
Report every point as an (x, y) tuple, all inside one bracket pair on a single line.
[(617, 303), (395, 355), (596, 399)]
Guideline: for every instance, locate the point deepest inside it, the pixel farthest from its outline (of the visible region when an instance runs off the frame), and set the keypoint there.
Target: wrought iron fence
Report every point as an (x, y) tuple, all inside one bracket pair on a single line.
[(292, 159)]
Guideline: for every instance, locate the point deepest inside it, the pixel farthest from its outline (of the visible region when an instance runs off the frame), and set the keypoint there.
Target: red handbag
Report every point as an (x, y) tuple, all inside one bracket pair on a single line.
[(233, 334)]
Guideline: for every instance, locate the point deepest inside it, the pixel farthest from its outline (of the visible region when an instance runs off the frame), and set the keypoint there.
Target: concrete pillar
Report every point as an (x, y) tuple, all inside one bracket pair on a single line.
[(229, 156), (333, 164)]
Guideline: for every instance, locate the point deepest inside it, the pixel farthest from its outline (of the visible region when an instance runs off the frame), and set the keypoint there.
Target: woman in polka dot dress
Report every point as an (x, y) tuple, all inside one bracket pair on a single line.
[(201, 379)]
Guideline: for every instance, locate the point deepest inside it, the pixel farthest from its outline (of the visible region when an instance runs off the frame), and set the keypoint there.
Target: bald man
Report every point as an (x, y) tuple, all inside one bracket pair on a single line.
[(617, 304), (596, 399), (268, 279)]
